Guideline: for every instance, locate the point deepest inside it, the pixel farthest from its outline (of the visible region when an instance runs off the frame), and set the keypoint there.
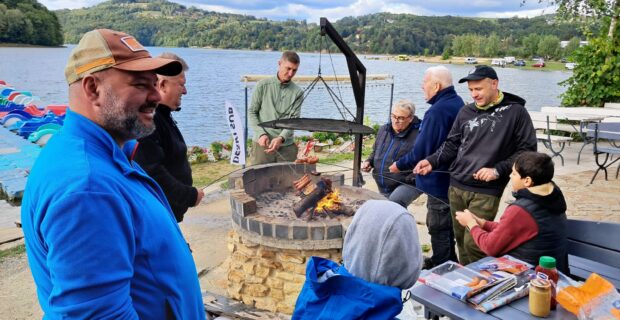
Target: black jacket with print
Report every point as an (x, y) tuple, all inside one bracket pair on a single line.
[(490, 138)]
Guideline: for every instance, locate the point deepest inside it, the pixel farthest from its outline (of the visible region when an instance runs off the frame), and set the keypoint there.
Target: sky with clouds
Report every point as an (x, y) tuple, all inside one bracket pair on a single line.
[(312, 10)]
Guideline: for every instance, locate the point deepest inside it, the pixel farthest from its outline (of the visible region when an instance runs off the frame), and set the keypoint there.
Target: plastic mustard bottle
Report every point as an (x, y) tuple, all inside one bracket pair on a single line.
[(546, 266), (540, 297)]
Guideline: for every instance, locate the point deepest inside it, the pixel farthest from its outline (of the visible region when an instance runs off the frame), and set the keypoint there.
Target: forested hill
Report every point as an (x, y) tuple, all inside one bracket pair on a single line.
[(163, 23), (28, 22)]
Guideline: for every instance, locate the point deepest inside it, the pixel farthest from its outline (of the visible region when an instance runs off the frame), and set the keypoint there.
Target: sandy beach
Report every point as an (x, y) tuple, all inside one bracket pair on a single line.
[(206, 227)]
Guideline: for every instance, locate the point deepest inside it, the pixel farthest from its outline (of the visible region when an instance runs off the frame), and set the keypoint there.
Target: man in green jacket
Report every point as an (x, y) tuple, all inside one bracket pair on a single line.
[(275, 98)]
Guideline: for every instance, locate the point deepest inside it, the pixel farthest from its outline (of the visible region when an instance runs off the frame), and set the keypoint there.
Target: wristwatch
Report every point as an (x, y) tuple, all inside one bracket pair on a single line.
[(496, 173)]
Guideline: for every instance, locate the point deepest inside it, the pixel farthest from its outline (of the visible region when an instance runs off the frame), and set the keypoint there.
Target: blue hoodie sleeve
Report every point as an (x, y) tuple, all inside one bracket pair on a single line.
[(89, 238), (426, 142)]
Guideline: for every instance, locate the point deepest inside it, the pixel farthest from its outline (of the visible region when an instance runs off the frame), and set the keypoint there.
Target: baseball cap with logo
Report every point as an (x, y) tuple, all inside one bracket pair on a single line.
[(101, 49), (479, 73)]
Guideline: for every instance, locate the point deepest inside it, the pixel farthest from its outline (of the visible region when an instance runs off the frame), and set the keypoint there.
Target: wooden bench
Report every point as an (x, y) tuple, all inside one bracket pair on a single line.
[(601, 133), (544, 124), (613, 105), (594, 247), (588, 111)]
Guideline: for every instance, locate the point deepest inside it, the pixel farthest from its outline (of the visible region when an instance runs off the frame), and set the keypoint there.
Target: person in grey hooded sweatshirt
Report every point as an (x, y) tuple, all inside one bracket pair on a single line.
[(382, 245), (381, 254)]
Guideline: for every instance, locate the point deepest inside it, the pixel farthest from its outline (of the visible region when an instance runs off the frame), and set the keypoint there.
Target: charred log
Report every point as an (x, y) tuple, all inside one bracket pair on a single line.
[(321, 189)]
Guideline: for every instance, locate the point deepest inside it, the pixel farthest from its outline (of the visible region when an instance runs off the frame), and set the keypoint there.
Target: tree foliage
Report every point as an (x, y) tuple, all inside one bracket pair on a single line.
[(573, 44), (596, 78), (549, 47), (28, 22)]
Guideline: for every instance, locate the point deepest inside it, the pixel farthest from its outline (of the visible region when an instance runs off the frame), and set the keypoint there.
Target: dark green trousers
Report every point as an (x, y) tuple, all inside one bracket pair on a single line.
[(482, 205), (284, 154)]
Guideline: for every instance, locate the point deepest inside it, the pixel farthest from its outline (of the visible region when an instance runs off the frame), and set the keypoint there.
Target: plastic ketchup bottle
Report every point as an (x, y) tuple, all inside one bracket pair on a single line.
[(546, 270)]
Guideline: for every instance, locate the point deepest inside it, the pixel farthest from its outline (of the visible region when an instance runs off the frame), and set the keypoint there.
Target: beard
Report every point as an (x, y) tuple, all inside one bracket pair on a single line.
[(121, 122)]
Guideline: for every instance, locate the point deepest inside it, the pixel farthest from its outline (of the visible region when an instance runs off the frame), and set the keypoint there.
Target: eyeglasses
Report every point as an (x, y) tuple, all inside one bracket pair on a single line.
[(400, 119)]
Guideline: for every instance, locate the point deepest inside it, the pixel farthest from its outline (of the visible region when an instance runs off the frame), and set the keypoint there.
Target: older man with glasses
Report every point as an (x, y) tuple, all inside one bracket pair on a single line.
[(394, 140)]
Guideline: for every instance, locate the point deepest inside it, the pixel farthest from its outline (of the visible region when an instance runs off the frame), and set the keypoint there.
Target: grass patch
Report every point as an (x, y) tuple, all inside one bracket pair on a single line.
[(549, 66), (12, 252), (327, 158), (207, 173)]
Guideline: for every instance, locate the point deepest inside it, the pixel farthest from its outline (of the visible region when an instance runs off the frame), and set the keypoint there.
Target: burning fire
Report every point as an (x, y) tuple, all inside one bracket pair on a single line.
[(331, 202)]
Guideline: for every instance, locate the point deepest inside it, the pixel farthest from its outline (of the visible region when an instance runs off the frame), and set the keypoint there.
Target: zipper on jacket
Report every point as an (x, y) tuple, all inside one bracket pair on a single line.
[(383, 162)]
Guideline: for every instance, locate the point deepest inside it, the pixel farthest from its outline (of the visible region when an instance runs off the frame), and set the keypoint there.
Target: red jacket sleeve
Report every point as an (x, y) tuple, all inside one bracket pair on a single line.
[(514, 228)]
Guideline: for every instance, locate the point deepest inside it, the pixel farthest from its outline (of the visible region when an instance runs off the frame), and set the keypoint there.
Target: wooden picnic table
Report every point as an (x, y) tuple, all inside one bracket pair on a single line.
[(578, 120)]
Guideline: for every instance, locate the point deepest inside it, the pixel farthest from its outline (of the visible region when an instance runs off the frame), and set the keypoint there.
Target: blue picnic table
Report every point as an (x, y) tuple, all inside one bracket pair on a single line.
[(437, 303), (593, 247)]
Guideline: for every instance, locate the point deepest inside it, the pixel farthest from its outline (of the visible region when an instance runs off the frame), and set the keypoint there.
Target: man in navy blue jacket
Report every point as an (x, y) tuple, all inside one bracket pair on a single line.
[(437, 122)]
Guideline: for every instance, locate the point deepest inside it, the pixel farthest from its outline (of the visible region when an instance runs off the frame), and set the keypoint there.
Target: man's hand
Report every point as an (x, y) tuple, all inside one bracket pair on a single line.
[(423, 168), (486, 174), (366, 166), (263, 141), (199, 197), (394, 168), (467, 219), (274, 145)]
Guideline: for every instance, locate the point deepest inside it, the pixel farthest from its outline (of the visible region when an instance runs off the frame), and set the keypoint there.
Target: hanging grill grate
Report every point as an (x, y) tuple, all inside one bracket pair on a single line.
[(321, 125)]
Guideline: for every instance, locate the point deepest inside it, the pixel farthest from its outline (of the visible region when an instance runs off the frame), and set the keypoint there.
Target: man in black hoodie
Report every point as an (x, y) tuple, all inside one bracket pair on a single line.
[(482, 145), (163, 154)]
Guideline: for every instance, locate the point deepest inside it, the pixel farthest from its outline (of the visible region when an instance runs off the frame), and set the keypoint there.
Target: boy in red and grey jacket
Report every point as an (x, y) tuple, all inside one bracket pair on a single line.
[(534, 224)]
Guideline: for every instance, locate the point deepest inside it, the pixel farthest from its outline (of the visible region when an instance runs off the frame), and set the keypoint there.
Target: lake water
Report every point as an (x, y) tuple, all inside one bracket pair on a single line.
[(215, 75)]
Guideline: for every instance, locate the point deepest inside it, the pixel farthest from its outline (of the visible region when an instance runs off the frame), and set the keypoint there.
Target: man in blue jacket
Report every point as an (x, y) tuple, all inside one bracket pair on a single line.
[(101, 239), (438, 119), (394, 139)]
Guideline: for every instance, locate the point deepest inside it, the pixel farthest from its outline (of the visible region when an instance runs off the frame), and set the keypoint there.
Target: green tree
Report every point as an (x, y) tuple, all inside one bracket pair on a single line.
[(492, 45), (530, 44), (590, 11), (27, 21), (549, 47), (596, 78), (573, 44)]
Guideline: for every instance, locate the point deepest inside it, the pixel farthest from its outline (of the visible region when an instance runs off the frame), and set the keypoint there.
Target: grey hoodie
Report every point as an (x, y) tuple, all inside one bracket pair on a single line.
[(382, 245)]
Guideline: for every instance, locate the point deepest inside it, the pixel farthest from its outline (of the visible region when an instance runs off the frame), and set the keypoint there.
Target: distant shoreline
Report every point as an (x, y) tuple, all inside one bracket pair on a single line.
[(25, 45), (552, 65)]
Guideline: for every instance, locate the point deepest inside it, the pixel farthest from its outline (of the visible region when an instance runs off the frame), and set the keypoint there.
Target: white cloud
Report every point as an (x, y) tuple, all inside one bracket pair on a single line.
[(68, 4), (520, 14)]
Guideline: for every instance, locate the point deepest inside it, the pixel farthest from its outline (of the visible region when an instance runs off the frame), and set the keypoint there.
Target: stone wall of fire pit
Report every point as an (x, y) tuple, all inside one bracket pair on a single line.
[(269, 245)]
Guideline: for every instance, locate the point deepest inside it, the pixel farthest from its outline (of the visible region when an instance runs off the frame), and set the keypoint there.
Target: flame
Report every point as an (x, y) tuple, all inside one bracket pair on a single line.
[(331, 202)]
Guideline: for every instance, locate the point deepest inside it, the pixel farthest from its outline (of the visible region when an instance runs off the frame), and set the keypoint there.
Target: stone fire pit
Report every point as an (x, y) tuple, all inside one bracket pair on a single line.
[(269, 245)]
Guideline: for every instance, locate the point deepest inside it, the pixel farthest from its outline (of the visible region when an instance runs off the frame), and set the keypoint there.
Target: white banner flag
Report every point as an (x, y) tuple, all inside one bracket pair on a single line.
[(237, 155)]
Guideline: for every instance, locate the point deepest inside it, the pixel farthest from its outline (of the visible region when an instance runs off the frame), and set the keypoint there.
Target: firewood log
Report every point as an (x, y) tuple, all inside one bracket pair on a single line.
[(321, 190)]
